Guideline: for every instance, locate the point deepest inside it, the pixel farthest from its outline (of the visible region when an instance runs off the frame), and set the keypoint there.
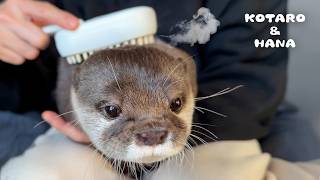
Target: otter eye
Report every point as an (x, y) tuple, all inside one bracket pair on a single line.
[(176, 105), (113, 111)]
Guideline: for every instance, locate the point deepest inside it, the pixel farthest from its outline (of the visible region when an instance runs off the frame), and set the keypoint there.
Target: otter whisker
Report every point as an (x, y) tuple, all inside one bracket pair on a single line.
[(206, 130), (105, 159), (134, 170), (101, 158), (65, 113), (114, 74), (178, 161), (122, 168), (171, 84), (182, 157), (156, 165), (74, 110), (182, 153), (43, 121), (222, 92), (191, 149), (176, 158), (204, 135), (114, 162), (196, 108), (39, 123), (200, 139), (119, 168), (187, 160), (116, 167), (91, 145), (172, 71), (175, 68), (169, 160), (204, 124), (142, 168), (188, 146), (130, 170), (193, 141), (128, 165), (209, 110)]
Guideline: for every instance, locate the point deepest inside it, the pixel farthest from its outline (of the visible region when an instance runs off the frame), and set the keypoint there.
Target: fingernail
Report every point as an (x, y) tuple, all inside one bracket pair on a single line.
[(73, 23)]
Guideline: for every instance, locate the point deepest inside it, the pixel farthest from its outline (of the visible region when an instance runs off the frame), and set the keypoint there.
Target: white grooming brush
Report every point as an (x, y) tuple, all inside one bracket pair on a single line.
[(133, 26)]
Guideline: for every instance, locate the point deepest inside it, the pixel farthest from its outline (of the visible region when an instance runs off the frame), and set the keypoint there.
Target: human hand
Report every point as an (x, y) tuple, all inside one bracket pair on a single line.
[(65, 128), (21, 36)]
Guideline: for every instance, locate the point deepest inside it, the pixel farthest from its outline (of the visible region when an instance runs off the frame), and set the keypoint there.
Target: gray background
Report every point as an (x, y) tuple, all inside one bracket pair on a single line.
[(304, 65)]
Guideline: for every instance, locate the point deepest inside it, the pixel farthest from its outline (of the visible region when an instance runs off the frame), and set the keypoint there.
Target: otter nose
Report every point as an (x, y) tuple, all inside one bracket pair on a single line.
[(152, 138)]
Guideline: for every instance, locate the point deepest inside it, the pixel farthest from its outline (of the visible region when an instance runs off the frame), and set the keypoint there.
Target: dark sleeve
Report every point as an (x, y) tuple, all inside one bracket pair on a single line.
[(17, 133), (230, 59), (57, 3)]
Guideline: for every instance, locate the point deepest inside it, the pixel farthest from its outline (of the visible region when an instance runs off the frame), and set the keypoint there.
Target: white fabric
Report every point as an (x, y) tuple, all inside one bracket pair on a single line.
[(55, 157)]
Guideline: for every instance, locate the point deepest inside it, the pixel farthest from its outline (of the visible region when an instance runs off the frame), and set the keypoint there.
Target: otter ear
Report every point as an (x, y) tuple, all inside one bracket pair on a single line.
[(191, 71)]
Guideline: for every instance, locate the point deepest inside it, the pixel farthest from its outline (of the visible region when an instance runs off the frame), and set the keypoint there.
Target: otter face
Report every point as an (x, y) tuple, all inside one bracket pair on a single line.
[(135, 104)]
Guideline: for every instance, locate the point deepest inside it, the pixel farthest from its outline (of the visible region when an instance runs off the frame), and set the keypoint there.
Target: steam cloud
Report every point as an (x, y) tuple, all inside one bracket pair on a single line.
[(199, 29)]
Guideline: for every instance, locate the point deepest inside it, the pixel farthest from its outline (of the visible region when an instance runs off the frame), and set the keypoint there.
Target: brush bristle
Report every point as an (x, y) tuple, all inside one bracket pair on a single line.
[(79, 58)]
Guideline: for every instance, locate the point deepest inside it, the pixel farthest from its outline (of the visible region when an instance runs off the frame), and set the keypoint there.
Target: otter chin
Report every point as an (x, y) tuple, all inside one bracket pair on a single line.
[(135, 103)]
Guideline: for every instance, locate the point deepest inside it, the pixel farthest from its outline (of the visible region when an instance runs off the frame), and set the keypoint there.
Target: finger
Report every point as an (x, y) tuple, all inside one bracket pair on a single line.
[(30, 33), (20, 47), (75, 134), (64, 127), (8, 56), (47, 13)]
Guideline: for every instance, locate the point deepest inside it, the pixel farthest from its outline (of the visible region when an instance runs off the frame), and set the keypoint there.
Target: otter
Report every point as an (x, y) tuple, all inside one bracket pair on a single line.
[(135, 103)]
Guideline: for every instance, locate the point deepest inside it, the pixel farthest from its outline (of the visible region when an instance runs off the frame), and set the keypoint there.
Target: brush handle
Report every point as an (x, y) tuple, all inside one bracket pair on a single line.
[(52, 29), (106, 30)]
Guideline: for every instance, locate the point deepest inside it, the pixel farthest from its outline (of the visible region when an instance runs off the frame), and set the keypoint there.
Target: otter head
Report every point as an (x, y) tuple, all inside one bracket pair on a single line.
[(135, 103)]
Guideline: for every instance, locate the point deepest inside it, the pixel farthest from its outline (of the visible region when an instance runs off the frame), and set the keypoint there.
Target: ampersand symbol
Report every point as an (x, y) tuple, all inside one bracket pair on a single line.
[(274, 31)]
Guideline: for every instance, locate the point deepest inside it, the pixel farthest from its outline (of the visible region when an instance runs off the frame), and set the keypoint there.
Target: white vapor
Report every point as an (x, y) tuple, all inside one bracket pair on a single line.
[(199, 29)]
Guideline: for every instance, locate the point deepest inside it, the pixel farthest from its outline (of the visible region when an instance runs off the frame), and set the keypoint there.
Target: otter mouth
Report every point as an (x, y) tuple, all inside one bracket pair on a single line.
[(143, 160)]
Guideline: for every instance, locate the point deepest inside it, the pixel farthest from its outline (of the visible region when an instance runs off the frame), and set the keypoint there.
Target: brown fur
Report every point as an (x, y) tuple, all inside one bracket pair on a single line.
[(148, 79)]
